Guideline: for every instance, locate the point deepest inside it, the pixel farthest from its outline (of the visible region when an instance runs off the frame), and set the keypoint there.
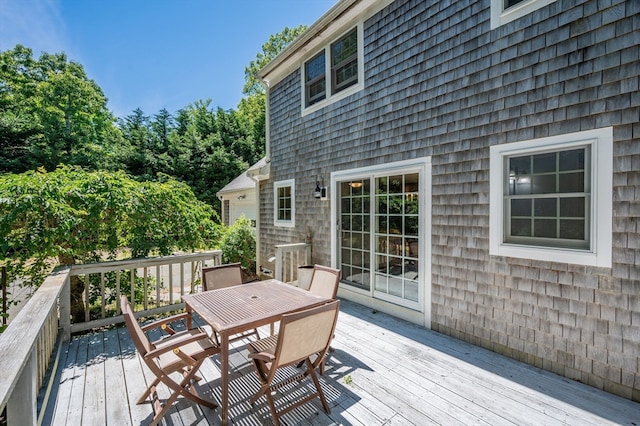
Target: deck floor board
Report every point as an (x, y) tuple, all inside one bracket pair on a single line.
[(383, 371)]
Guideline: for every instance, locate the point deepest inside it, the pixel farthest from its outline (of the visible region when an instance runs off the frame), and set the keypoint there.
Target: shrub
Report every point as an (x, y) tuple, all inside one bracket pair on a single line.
[(239, 244)]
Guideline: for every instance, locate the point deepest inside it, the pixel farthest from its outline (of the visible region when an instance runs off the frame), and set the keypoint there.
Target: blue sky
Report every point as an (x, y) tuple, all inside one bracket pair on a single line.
[(156, 54)]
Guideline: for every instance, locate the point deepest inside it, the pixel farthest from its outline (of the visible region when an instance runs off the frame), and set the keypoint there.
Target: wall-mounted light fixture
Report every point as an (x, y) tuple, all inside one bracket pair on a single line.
[(242, 197), (321, 190)]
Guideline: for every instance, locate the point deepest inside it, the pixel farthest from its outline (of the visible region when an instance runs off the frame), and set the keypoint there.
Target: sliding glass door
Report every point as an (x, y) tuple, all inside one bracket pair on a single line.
[(379, 235)]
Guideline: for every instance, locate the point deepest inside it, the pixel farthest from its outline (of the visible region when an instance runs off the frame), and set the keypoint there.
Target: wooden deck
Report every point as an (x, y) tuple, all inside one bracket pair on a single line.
[(384, 371)]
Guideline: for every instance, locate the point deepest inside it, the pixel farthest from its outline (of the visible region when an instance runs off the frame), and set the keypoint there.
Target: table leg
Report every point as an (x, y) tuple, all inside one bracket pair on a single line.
[(224, 372), (189, 317)]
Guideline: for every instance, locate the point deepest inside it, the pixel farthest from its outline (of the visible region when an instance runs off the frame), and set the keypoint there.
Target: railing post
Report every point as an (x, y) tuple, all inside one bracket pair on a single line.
[(65, 309), (308, 259), (21, 407), (279, 262)]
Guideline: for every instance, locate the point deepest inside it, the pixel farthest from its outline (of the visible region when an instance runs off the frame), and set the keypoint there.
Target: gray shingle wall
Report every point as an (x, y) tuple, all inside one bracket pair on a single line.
[(439, 82)]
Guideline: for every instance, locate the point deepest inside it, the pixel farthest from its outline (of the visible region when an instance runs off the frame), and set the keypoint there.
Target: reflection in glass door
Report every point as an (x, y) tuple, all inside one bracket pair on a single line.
[(379, 235), (355, 206)]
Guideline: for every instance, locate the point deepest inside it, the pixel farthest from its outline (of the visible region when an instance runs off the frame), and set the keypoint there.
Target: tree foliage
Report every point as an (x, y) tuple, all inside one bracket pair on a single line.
[(270, 49), (51, 113), (70, 215)]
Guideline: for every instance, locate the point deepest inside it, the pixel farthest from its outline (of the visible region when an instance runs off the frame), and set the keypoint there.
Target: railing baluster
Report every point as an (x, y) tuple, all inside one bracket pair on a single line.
[(102, 297), (158, 285), (171, 283), (181, 278), (132, 279), (118, 292), (144, 282), (87, 303)]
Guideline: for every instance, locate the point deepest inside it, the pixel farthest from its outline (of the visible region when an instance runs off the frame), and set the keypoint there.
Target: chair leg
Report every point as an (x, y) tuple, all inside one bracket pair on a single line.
[(151, 389), (272, 407), (314, 377), (186, 388)]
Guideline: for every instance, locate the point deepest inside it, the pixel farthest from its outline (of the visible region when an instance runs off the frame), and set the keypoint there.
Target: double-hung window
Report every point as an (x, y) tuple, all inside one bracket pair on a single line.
[(315, 81), (344, 62), (334, 72), (548, 198), (284, 212), (551, 198)]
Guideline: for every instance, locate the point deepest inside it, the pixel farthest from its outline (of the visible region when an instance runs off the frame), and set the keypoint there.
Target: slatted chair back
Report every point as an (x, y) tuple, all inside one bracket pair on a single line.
[(324, 281), (221, 276)]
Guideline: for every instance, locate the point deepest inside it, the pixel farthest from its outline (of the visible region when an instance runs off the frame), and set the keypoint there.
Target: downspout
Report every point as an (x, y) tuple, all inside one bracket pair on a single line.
[(267, 121)]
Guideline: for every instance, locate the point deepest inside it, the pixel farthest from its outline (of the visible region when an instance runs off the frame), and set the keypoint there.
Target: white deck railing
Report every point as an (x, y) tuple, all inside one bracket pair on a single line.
[(288, 258), (164, 279), (28, 344)]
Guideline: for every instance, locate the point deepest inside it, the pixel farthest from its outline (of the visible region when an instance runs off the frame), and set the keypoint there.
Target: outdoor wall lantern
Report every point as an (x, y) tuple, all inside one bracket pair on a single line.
[(320, 191)]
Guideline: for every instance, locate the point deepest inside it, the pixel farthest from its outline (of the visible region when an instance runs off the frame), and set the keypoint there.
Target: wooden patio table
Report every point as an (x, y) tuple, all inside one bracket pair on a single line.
[(245, 307)]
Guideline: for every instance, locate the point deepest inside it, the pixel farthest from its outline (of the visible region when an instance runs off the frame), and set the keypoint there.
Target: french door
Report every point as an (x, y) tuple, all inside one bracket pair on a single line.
[(380, 237)]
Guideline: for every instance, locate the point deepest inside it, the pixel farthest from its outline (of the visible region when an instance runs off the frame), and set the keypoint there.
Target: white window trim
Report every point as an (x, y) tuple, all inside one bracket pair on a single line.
[(500, 16), (601, 141), (281, 184), (330, 97), (422, 166)]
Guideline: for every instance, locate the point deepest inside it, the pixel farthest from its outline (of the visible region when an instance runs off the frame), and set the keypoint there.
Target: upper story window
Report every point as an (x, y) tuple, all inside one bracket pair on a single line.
[(284, 210), (551, 198), (315, 81), (344, 62), (503, 11), (343, 69)]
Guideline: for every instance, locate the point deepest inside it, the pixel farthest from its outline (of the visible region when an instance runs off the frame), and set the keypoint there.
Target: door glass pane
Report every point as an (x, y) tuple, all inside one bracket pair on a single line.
[(397, 235), (355, 218)]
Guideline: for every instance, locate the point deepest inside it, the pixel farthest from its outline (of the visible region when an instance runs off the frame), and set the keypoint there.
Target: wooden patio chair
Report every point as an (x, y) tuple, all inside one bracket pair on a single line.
[(223, 276), (324, 281), (177, 352), (301, 335)]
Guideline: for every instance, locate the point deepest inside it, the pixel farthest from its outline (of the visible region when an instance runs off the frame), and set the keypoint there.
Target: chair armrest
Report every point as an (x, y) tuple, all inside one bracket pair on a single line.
[(164, 321), (170, 346), (264, 356)]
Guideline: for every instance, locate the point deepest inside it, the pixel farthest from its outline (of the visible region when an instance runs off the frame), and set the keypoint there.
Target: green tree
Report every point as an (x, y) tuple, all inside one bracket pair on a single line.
[(18, 121), (70, 215), (51, 113), (202, 149), (270, 49)]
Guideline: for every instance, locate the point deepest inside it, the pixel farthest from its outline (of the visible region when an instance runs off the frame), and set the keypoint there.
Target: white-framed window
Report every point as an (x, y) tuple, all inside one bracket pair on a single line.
[(334, 72), (551, 198), (503, 11), (284, 209)]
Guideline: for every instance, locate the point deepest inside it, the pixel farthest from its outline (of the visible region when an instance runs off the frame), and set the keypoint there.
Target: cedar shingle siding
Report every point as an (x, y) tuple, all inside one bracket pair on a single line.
[(439, 82)]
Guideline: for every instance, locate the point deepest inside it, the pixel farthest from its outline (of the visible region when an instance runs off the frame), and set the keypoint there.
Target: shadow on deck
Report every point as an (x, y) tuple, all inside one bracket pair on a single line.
[(384, 371)]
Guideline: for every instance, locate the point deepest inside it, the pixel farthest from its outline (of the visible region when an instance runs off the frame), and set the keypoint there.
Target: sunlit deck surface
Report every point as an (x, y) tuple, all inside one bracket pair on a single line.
[(384, 371)]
